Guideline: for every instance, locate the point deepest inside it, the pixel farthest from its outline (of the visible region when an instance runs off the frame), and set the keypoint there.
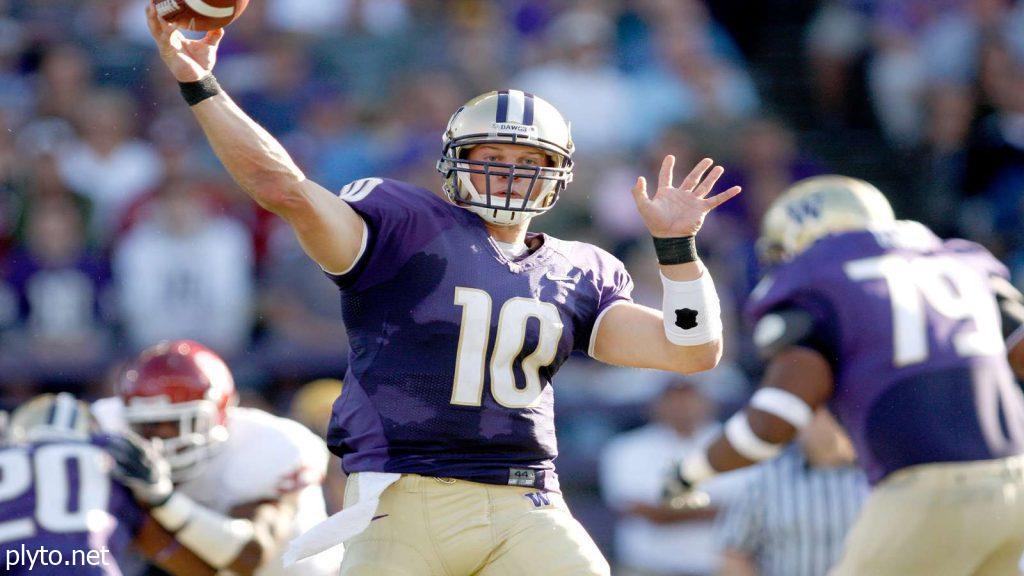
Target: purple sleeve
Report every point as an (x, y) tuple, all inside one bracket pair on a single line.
[(775, 290), (613, 285), (400, 219), (802, 314), (618, 287)]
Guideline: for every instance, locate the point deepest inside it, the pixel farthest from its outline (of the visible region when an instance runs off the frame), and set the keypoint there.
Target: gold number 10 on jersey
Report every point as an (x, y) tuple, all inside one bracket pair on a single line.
[(471, 358)]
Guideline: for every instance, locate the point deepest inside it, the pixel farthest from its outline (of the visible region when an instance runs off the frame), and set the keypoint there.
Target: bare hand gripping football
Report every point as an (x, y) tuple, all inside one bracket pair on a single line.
[(200, 15), (188, 60)]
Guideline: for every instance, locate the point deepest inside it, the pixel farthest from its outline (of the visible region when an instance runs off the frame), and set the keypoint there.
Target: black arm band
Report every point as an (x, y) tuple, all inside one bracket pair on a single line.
[(196, 92), (675, 250)]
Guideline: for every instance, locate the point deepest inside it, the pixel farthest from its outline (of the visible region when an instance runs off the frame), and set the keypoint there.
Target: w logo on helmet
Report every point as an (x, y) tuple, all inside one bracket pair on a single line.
[(807, 208)]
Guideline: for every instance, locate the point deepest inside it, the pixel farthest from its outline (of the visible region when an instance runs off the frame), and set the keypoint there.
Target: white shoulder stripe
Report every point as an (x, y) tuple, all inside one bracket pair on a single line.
[(359, 255), (597, 325), (357, 190), (204, 9)]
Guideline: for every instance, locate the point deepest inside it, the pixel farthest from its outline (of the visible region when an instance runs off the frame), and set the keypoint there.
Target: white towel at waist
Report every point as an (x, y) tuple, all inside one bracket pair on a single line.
[(345, 524)]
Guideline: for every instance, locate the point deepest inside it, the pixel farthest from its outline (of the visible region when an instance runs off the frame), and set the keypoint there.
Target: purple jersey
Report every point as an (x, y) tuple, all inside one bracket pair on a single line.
[(453, 346), (57, 496), (912, 329)]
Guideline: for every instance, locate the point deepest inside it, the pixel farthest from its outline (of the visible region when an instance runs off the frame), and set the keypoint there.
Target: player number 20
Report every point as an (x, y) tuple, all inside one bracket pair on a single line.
[(49, 465), (944, 286), (471, 358)]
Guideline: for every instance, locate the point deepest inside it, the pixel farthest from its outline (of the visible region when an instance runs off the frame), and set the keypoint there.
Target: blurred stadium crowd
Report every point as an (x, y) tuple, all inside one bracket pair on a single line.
[(118, 228)]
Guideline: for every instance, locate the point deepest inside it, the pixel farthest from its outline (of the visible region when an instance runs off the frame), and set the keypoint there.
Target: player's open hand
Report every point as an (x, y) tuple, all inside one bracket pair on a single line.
[(679, 211), (189, 60)]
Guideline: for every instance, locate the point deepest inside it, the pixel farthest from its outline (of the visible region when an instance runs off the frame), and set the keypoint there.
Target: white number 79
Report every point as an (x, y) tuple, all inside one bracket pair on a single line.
[(948, 289)]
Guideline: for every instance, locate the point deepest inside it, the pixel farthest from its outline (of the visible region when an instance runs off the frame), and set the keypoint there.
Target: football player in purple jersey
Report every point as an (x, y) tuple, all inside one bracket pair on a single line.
[(913, 342), (64, 504), (458, 319)]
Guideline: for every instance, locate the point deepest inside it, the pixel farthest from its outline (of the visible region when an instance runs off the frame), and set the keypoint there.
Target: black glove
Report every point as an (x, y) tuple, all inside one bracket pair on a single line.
[(141, 468), (678, 492)]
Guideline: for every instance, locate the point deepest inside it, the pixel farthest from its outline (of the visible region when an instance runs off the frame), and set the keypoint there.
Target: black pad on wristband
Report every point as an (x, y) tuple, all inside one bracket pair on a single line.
[(196, 92), (675, 250)]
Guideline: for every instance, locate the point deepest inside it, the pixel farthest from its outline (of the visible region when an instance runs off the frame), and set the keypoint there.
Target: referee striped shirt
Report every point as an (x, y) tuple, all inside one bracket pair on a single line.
[(793, 519)]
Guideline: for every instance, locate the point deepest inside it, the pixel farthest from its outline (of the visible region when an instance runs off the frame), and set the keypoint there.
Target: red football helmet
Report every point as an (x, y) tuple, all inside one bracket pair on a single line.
[(177, 394)]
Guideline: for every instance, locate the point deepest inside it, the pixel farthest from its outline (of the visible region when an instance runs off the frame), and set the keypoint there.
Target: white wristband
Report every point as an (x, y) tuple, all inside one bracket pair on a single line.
[(215, 538), (174, 513), (784, 405), (693, 314), (746, 442)]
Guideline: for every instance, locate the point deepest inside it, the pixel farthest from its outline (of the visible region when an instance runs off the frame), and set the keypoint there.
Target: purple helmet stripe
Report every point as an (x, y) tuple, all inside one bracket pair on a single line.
[(502, 115), (528, 109)]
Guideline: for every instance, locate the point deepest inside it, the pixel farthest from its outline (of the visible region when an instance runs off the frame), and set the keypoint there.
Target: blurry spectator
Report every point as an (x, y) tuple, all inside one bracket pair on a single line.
[(311, 406), (285, 87), (651, 538), (16, 97), (611, 209), (950, 113), (64, 78), (837, 40), (479, 38), (411, 134), (689, 82), (185, 273), (925, 42), (316, 16), (769, 161), (8, 181), (303, 335), (116, 60), (994, 170), (333, 143), (58, 290), (580, 80), (794, 515), (109, 165), (896, 73), (37, 174)]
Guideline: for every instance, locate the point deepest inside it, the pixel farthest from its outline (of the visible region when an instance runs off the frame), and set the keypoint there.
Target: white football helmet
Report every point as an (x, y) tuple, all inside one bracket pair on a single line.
[(506, 117), (816, 207), (50, 417)]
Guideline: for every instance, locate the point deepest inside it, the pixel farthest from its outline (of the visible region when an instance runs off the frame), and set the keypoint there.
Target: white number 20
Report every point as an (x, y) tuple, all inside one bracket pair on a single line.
[(52, 511), (471, 358), (943, 285)]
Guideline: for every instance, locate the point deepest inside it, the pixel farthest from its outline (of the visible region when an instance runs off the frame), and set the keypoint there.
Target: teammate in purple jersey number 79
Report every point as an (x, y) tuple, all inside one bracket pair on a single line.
[(912, 342), (458, 320)]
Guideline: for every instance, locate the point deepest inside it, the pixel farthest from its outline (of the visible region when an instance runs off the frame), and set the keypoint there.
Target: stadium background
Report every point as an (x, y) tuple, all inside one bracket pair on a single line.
[(118, 227)]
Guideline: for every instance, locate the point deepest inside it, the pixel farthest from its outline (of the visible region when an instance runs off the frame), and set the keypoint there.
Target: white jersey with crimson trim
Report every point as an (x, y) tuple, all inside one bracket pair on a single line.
[(264, 458)]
